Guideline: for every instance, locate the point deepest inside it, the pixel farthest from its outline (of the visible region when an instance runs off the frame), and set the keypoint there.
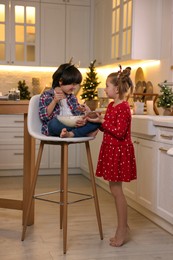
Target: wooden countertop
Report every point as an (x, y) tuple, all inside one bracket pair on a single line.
[(9, 106)]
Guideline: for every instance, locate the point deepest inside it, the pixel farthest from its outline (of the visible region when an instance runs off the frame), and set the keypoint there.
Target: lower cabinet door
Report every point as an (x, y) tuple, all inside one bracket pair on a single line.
[(165, 183), (143, 190), (73, 156), (146, 173), (11, 157)]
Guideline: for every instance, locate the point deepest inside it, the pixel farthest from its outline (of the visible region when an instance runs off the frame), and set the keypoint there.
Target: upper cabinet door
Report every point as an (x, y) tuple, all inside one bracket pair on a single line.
[(126, 30), (20, 33), (25, 32), (65, 32), (102, 31), (134, 30), (121, 29), (78, 34), (52, 34), (4, 32)]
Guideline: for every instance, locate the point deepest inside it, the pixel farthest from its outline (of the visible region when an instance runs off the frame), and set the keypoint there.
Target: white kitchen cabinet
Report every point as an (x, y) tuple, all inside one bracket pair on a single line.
[(102, 31), (11, 149), (73, 156), (130, 188), (52, 34), (134, 30), (95, 149), (65, 32), (19, 32), (143, 190), (164, 204), (121, 33), (11, 143), (127, 30), (147, 172)]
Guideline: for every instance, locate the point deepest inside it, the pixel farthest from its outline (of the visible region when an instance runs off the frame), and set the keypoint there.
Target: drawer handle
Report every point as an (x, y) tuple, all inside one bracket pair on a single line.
[(18, 153), (18, 121), (136, 142), (163, 149), (18, 136), (167, 136)]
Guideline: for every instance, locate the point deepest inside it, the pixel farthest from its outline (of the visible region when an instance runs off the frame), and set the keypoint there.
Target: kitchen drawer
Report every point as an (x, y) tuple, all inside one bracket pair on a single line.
[(11, 157), (165, 135), (11, 135), (11, 121)]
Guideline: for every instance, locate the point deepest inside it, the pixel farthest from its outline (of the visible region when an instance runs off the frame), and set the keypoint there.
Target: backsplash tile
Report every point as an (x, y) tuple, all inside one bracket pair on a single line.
[(10, 79)]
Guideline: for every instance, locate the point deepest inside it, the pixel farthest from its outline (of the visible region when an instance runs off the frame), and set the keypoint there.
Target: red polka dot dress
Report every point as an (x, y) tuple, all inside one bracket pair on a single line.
[(116, 161)]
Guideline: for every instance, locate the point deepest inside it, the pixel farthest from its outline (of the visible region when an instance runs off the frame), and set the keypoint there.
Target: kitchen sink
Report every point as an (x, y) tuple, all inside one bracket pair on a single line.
[(143, 124)]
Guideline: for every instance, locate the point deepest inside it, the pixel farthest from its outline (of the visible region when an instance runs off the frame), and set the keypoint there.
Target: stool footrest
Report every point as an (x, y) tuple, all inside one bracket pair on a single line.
[(39, 197)]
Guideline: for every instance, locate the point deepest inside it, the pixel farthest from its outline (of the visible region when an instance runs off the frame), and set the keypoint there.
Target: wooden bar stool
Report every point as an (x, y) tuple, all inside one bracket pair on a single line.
[(34, 128)]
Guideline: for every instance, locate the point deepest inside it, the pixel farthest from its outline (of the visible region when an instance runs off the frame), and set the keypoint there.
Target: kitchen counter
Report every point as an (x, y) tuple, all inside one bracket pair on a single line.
[(165, 121), (152, 193), (149, 121), (15, 108)]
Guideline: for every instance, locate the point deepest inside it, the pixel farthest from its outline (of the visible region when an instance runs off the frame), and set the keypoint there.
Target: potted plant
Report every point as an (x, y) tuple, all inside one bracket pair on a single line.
[(89, 87), (23, 88), (165, 99)]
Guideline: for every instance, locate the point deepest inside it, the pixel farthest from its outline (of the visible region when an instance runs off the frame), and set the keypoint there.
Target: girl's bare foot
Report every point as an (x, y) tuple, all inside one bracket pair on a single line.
[(113, 238), (120, 238), (66, 134)]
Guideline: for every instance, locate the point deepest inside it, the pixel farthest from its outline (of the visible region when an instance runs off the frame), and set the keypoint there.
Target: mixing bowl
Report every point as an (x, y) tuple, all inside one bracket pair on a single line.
[(69, 120)]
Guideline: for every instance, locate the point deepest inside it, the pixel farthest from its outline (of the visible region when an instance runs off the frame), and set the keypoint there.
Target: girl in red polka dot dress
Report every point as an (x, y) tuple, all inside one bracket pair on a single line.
[(116, 162)]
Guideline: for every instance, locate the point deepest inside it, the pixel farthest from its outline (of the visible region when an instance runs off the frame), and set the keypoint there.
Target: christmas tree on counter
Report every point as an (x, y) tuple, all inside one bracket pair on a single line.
[(23, 88), (165, 99), (90, 83)]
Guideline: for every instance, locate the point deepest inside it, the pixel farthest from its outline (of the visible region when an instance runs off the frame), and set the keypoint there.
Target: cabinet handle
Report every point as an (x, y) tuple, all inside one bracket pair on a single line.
[(163, 149), (18, 136), (18, 121), (136, 142), (167, 136), (18, 153)]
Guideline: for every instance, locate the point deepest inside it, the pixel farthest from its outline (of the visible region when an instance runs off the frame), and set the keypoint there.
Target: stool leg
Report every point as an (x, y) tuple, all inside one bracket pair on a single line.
[(31, 194), (94, 188), (61, 186), (65, 194)]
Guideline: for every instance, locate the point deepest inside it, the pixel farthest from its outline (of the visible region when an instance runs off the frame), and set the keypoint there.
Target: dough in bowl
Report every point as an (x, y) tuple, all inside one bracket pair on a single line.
[(69, 120)]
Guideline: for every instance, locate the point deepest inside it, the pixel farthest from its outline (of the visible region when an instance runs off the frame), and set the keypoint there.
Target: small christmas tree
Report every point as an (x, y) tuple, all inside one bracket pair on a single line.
[(23, 88), (165, 100), (90, 83)]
